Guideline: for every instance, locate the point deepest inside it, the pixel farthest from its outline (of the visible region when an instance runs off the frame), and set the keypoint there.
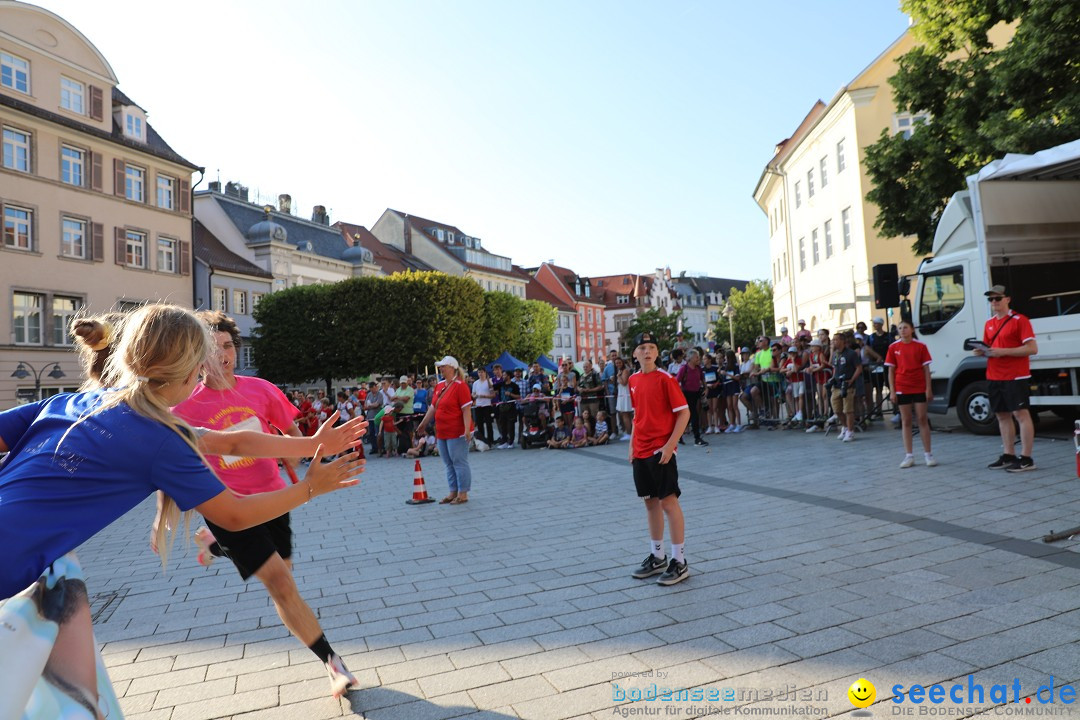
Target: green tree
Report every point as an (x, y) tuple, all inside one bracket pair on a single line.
[(983, 102), (537, 330), (753, 306), (663, 326), (299, 338), (502, 317)]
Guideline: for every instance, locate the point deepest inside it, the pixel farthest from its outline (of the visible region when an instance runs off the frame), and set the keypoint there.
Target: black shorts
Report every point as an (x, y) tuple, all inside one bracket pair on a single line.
[(1010, 395), (250, 549), (910, 398), (654, 480)]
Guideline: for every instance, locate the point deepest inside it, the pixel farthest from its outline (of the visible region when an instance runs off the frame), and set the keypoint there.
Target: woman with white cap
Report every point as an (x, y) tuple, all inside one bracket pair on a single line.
[(451, 407)]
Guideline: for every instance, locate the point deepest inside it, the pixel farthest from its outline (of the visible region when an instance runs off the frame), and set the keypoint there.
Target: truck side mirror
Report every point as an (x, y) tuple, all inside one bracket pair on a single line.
[(903, 286), (905, 310)]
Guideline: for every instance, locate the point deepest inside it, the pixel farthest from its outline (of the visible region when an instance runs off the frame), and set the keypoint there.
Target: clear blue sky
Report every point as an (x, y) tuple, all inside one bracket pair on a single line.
[(609, 136)]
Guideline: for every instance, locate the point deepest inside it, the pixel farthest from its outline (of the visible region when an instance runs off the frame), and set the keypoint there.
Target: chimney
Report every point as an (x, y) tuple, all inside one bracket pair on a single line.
[(285, 204), (215, 186), (408, 236), (318, 215)]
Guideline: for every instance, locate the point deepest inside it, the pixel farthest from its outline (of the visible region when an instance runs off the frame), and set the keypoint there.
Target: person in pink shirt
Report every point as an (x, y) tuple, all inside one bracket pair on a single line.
[(225, 401)]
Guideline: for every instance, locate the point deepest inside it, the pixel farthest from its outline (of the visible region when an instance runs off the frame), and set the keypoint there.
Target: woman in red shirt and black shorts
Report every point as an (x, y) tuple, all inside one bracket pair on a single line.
[(908, 361)]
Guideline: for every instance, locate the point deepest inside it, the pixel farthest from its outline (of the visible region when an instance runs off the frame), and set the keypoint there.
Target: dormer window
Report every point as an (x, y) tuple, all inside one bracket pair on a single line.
[(476, 243), (133, 126), (450, 238), (441, 234), (468, 241)]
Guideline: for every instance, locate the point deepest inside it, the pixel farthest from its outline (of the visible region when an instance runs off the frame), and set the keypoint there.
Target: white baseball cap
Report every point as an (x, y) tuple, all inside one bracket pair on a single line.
[(448, 360)]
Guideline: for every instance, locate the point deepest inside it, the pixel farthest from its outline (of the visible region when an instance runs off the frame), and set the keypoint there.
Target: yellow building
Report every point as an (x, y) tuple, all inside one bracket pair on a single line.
[(822, 240), (96, 206)]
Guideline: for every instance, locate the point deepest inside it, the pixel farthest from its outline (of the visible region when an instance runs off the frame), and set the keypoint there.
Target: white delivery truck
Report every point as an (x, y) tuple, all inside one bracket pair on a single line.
[(1018, 225)]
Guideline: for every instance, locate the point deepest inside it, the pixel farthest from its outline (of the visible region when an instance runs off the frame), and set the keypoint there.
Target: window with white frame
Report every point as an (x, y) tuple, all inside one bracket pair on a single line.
[(18, 228), (569, 337), (133, 126), (239, 302), (802, 253), (828, 239), (905, 123), (247, 356), (72, 165), (134, 183), (823, 168), (15, 73), (845, 223), (16, 149), (166, 255), (810, 183), (26, 315), (73, 238), (841, 162), (166, 192), (814, 244), (64, 310), (558, 340), (798, 194), (72, 95), (220, 299), (581, 338), (590, 315), (255, 299), (135, 249)]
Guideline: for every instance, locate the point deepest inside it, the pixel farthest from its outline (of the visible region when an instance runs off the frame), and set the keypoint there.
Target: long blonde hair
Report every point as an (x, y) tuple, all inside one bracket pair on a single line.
[(159, 345)]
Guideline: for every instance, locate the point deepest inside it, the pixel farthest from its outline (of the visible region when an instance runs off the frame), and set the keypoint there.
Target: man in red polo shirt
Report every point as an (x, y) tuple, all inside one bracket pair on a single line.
[(1008, 343)]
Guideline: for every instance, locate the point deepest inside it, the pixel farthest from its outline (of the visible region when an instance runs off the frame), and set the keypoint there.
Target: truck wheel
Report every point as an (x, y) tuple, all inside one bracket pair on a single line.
[(973, 409)]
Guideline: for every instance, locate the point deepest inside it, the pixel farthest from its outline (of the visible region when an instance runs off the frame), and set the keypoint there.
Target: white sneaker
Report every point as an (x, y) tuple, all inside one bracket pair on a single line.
[(896, 419), (850, 437), (831, 421), (739, 428), (813, 429), (340, 677), (908, 461), (798, 416), (930, 461)]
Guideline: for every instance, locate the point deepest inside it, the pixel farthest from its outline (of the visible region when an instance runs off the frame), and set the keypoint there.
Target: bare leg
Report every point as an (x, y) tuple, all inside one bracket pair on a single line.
[(924, 427), (673, 510), (656, 518), (905, 421), (1027, 431), (276, 575), (72, 659), (1008, 432)]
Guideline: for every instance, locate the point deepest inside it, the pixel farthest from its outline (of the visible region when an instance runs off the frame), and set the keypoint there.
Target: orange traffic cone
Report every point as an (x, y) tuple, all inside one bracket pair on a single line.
[(419, 495)]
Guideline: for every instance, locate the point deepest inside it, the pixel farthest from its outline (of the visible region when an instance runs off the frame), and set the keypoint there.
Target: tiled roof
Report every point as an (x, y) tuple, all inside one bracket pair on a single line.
[(388, 257), (566, 277), (613, 286), (154, 144), (535, 291), (712, 284), (211, 251), (325, 241), (421, 225)]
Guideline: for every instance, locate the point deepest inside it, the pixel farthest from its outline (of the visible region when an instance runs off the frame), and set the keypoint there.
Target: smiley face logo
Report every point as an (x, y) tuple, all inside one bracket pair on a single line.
[(862, 693)]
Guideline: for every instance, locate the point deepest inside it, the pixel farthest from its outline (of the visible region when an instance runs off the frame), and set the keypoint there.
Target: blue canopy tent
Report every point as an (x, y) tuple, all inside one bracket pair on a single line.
[(546, 363), (509, 363)]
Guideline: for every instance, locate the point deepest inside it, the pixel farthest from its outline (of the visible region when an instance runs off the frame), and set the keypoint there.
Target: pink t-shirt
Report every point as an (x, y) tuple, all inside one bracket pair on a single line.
[(254, 404)]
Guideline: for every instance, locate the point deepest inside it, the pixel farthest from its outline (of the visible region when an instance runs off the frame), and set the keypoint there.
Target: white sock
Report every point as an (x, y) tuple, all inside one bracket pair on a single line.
[(909, 455), (677, 552), (656, 547)]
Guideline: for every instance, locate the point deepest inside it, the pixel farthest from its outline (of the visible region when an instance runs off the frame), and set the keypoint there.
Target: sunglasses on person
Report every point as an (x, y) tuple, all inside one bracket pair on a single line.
[(995, 298)]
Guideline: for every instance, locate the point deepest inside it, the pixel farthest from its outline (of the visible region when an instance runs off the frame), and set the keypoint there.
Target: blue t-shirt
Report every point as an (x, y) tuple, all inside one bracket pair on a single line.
[(53, 500), (420, 401)]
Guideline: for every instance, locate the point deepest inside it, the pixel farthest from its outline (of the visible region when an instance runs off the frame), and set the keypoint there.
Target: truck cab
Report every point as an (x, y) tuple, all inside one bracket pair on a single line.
[(1018, 225)]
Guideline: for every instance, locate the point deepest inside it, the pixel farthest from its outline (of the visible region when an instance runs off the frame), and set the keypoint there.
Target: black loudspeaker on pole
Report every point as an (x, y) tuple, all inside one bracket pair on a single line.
[(886, 291)]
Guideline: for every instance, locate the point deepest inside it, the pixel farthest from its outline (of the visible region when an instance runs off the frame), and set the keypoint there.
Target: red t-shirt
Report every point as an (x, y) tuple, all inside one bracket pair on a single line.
[(909, 360), (449, 422), (655, 397), (1015, 333)]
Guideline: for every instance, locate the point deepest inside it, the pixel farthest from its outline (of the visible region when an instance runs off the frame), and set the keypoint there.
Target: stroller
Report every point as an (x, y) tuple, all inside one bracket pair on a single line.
[(530, 429)]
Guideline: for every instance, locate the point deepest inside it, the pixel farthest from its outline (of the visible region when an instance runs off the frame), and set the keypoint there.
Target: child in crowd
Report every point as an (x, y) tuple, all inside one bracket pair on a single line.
[(600, 432), (820, 371), (561, 437), (587, 419), (579, 436), (389, 428), (908, 361), (660, 417), (423, 444)]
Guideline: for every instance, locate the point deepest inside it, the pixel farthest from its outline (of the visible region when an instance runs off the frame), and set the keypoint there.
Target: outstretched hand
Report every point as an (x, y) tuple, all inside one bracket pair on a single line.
[(341, 473), (339, 439)]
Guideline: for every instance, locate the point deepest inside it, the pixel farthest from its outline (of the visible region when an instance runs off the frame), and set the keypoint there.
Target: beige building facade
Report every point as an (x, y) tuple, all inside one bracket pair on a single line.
[(96, 206), (822, 240)]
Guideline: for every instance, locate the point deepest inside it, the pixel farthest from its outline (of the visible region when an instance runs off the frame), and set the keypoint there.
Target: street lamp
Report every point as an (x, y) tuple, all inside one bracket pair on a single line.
[(21, 373), (729, 313)]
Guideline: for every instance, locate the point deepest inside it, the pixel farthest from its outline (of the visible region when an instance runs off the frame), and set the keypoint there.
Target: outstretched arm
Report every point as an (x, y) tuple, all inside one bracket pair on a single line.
[(252, 443)]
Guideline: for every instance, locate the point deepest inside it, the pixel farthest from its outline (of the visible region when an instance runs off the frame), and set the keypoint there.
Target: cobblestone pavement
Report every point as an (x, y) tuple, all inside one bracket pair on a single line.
[(814, 563)]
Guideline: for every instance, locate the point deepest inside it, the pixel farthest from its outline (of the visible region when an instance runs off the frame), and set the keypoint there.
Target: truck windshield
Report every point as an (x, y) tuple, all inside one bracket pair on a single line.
[(942, 297)]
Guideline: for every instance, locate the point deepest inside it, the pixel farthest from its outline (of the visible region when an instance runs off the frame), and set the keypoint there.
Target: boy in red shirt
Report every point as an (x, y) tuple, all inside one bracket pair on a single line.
[(1008, 344), (660, 417), (908, 361)]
